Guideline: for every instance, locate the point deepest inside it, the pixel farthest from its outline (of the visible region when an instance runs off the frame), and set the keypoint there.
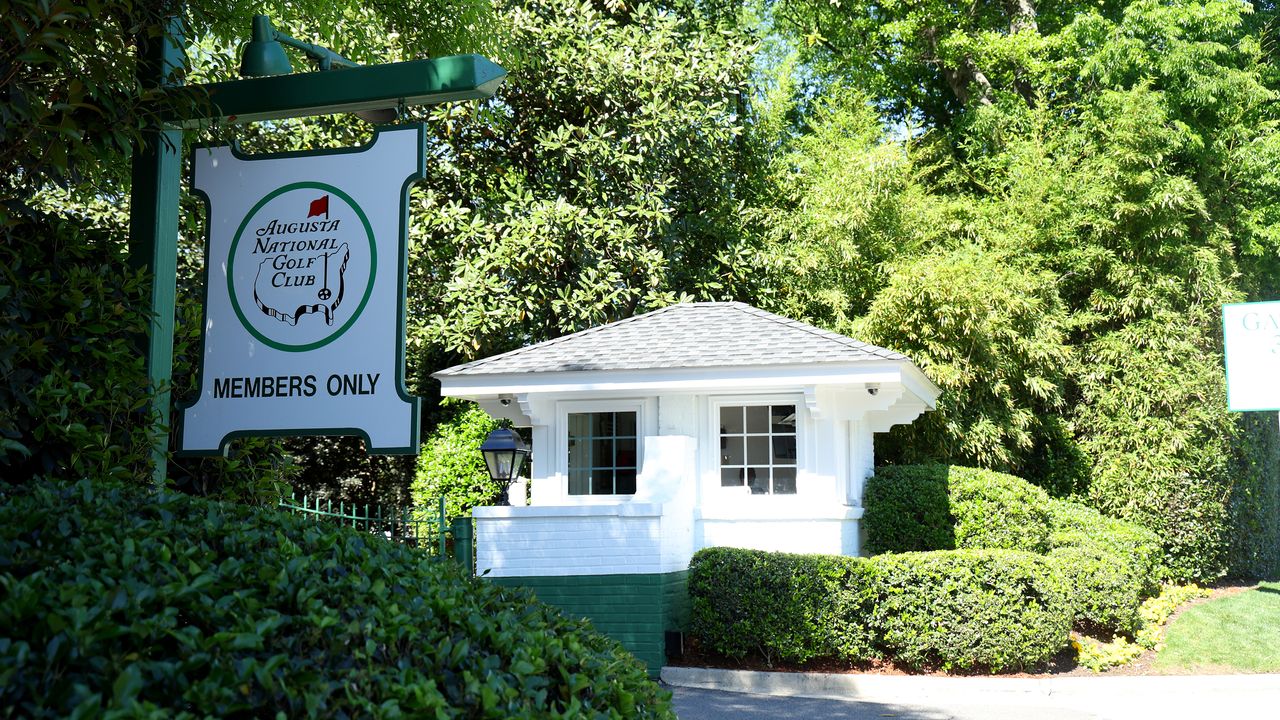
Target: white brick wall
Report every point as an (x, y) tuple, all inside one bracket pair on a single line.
[(583, 540), (829, 537)]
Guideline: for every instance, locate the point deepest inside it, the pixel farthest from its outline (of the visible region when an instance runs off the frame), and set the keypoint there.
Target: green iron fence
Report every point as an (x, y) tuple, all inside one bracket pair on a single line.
[(414, 526)]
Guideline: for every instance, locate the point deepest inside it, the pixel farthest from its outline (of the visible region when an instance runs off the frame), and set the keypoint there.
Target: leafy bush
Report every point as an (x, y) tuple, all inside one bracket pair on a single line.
[(128, 602), (954, 610), (1074, 525), (938, 507), (784, 607), (1104, 593), (74, 382), (908, 509), (990, 330), (1109, 565), (992, 610), (998, 511), (450, 464)]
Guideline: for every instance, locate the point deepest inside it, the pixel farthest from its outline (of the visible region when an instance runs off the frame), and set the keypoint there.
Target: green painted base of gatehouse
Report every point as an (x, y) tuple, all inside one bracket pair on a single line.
[(635, 610)]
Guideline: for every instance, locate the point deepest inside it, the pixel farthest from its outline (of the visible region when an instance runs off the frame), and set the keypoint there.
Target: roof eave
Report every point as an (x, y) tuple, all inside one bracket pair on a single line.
[(698, 379)]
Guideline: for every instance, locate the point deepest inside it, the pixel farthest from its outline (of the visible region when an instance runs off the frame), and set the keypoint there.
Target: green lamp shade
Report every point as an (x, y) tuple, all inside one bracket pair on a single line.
[(264, 56)]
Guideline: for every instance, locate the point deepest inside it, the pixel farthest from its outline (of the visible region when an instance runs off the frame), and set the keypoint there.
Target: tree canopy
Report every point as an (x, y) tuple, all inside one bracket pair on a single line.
[(1043, 203)]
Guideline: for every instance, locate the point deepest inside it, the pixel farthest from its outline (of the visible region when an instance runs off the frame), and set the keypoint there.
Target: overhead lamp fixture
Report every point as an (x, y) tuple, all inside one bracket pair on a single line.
[(264, 56)]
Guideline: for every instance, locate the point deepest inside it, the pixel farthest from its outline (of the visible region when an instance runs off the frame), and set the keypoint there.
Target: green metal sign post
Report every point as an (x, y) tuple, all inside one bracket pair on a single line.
[(157, 174)]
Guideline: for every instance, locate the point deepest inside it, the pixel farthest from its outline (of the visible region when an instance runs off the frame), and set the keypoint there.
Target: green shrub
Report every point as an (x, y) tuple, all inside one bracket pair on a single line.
[(124, 602), (964, 610), (74, 382), (998, 511), (784, 607), (450, 464), (1104, 592), (1074, 525), (939, 507), (907, 509)]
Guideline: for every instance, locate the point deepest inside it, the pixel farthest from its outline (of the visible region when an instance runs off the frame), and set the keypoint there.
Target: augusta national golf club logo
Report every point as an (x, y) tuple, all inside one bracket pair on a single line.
[(301, 266)]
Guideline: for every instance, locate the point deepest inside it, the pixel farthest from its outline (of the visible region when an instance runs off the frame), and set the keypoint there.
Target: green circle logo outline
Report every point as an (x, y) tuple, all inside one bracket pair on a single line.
[(231, 259)]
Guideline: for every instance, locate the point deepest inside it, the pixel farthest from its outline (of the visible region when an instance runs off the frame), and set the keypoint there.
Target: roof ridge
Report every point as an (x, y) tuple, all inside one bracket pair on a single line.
[(831, 335)]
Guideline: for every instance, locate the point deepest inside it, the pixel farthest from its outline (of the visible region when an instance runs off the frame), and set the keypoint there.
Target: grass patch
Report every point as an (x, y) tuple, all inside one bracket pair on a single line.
[(1240, 633)]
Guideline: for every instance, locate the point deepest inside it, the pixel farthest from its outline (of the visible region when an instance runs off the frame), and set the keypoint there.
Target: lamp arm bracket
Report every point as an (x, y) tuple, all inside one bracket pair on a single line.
[(326, 58)]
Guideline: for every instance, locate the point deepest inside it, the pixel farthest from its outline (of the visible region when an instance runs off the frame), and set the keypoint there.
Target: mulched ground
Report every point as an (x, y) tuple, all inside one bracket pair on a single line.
[(1062, 665)]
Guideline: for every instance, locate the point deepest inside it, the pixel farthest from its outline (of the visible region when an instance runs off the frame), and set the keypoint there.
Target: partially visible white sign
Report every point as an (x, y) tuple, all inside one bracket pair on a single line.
[(1251, 336), (304, 297)]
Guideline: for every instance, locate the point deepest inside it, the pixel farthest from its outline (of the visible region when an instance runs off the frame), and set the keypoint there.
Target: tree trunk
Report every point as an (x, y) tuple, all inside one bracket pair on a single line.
[(1022, 18), (960, 79)]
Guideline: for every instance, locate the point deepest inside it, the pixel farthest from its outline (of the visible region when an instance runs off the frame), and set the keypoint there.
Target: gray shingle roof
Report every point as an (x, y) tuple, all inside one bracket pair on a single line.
[(688, 335)]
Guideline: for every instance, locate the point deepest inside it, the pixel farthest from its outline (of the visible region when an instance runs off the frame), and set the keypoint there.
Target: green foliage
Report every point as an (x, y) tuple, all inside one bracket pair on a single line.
[(990, 334), (846, 204), (1109, 565), (1254, 505), (451, 466), (126, 602), (961, 610), (601, 181), (73, 384), (1083, 185), (939, 507), (997, 511), (1074, 525), (1160, 441), (782, 607), (1104, 592), (908, 508), (991, 610)]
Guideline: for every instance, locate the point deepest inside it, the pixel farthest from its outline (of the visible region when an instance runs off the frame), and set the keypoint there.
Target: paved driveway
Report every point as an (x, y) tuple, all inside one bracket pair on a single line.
[(706, 694), (694, 704)]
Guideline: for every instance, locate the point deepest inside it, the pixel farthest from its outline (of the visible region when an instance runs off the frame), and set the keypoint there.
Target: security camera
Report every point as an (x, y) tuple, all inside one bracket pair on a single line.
[(504, 402), (873, 390)]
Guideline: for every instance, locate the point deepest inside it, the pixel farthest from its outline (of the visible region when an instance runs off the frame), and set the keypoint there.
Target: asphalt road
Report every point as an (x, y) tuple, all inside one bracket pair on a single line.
[(695, 704)]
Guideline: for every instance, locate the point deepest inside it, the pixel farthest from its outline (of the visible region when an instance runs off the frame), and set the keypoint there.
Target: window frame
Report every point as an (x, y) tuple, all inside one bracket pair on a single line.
[(566, 408), (712, 466)]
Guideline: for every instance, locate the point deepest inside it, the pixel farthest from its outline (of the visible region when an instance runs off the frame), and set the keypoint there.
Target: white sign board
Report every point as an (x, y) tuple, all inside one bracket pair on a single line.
[(304, 295), (1251, 338)]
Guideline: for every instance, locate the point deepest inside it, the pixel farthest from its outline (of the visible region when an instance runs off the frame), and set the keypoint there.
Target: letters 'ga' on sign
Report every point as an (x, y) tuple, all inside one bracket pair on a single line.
[(1251, 339), (304, 295)]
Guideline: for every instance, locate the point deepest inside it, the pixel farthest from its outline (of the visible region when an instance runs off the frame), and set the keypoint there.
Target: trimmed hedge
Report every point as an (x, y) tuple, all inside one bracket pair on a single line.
[(1105, 595), (907, 508), (940, 507), (1029, 567), (1075, 525), (123, 601), (988, 610), (784, 607), (992, 610), (1109, 565)]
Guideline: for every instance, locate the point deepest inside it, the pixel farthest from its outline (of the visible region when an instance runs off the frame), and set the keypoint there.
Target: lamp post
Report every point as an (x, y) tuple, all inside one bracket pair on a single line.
[(504, 454)]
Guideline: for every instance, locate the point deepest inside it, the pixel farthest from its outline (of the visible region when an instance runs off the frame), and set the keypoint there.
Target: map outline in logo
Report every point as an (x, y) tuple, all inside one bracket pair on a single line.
[(235, 242)]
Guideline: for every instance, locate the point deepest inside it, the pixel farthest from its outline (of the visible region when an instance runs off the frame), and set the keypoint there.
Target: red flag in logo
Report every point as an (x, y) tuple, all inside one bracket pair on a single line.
[(319, 207)]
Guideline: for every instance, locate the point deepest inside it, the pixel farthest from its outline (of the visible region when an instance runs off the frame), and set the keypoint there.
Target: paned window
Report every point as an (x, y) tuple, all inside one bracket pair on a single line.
[(602, 453), (758, 448)]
